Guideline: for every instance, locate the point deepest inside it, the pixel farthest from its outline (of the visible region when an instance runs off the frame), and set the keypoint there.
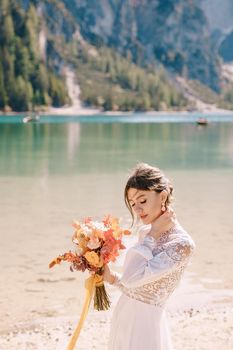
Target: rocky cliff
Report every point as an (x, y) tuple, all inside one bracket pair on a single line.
[(173, 32)]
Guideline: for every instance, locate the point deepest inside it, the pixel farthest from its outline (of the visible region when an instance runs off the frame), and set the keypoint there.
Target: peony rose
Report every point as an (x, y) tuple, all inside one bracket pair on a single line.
[(94, 259)]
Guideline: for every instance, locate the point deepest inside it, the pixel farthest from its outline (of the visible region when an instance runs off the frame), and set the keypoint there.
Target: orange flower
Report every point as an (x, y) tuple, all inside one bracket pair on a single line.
[(80, 238), (113, 224), (54, 262), (94, 259)]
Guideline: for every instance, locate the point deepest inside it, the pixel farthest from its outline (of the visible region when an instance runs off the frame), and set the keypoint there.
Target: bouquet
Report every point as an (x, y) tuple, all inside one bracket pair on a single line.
[(96, 244)]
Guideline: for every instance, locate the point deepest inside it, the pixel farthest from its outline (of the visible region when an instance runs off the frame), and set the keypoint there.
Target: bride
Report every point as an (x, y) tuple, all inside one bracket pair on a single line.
[(153, 267)]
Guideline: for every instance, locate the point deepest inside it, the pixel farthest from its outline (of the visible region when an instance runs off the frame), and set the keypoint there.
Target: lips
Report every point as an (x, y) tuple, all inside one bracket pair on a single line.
[(143, 216)]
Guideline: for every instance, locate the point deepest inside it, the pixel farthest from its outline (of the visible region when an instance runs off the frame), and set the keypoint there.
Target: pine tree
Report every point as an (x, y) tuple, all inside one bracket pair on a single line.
[(7, 31), (22, 62), (109, 102), (3, 96), (22, 92)]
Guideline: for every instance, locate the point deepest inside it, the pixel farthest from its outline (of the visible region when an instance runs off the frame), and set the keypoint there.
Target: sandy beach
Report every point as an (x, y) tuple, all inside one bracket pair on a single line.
[(203, 327), (39, 307)]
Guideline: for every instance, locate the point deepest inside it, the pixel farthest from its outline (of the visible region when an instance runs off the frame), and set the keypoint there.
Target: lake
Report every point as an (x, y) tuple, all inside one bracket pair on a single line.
[(65, 168), (71, 146)]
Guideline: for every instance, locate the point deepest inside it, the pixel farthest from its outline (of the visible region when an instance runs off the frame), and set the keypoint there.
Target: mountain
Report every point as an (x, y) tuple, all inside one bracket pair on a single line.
[(26, 80), (219, 14), (126, 54), (173, 32), (220, 23), (40, 39)]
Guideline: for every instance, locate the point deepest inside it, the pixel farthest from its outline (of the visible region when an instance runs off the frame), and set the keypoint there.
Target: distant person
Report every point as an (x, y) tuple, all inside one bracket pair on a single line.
[(153, 267)]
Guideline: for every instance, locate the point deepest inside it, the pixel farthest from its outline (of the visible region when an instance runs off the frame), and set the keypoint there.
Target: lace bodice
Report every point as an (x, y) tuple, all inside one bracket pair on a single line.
[(153, 267)]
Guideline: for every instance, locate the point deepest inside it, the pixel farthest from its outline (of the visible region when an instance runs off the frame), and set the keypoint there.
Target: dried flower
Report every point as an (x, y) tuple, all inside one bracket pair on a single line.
[(96, 244)]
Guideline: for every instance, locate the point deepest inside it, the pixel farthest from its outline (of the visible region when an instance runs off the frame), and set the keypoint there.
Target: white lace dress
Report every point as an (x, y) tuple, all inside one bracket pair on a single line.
[(152, 270)]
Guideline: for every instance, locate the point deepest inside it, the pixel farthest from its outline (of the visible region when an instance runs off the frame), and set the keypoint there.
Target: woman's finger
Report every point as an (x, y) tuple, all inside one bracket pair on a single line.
[(170, 213)]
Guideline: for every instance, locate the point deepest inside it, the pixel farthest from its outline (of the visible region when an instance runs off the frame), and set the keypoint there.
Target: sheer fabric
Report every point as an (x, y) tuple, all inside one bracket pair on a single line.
[(152, 270)]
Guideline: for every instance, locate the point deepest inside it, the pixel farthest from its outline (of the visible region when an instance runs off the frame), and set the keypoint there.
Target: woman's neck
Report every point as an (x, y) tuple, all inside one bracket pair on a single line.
[(157, 232)]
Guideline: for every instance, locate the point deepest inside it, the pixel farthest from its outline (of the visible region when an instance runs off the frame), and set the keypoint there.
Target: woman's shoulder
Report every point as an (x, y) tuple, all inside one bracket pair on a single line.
[(180, 236), (176, 235)]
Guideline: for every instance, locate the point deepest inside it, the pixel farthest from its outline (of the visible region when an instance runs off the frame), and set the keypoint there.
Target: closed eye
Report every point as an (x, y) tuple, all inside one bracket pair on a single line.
[(132, 205)]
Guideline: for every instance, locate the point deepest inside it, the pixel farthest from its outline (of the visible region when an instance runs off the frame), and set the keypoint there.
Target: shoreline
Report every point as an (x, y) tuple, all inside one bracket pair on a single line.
[(77, 108), (95, 112)]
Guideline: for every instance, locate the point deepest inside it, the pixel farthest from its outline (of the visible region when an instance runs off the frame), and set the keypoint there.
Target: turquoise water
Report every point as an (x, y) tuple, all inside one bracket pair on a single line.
[(77, 147), (127, 118)]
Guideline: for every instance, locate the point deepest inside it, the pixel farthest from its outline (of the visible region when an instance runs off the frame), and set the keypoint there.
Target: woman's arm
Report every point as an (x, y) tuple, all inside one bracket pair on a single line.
[(111, 277), (141, 267), (116, 281), (163, 223)]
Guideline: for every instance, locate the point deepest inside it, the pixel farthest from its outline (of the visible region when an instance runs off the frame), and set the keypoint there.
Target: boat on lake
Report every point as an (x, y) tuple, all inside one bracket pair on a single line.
[(31, 118), (202, 121)]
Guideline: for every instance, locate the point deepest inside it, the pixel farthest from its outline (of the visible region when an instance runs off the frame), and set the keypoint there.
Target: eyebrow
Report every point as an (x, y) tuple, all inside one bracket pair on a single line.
[(141, 195)]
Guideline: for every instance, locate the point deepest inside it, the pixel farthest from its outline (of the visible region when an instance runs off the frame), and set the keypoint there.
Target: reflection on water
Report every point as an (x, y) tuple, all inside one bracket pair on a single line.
[(75, 148), (51, 174)]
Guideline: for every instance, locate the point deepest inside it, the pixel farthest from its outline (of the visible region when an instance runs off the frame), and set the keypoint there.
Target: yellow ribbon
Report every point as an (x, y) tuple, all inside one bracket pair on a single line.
[(90, 284)]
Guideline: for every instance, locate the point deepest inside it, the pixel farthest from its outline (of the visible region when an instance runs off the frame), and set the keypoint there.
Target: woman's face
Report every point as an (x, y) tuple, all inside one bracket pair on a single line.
[(146, 204)]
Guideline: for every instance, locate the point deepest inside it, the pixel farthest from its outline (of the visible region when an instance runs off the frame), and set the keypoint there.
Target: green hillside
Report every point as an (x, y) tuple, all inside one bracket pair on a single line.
[(26, 80)]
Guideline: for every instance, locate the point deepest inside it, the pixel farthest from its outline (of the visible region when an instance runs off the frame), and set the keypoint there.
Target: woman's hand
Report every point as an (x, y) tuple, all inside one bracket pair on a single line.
[(163, 223), (108, 276)]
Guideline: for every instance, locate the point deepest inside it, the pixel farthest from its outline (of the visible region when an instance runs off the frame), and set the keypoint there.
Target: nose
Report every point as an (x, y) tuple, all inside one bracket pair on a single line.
[(137, 209)]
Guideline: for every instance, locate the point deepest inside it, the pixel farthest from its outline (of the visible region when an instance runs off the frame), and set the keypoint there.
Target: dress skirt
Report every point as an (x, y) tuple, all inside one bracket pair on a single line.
[(136, 325)]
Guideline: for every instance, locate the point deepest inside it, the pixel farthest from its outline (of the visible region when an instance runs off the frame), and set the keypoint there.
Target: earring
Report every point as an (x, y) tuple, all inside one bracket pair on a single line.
[(163, 207)]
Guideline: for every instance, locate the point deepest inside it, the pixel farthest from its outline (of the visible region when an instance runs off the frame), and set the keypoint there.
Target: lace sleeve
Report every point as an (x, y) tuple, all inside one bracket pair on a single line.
[(142, 267)]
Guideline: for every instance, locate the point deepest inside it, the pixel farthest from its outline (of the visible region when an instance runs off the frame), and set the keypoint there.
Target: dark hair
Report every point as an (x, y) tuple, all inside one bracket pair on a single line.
[(148, 178)]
